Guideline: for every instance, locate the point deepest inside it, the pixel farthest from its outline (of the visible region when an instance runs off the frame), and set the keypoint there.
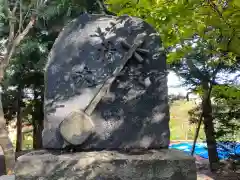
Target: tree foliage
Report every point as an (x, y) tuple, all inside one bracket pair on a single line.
[(227, 112), (23, 23), (201, 39), (179, 21), (27, 65)]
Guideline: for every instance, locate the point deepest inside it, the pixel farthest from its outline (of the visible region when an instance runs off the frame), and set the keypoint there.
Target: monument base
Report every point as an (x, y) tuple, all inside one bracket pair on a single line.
[(162, 164)]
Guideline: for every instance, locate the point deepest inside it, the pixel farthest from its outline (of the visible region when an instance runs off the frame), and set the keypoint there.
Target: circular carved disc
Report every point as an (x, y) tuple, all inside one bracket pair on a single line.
[(76, 128)]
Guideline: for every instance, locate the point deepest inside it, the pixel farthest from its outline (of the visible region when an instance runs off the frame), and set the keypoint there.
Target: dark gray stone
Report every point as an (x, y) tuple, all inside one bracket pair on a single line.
[(134, 113), (2, 162), (106, 165)]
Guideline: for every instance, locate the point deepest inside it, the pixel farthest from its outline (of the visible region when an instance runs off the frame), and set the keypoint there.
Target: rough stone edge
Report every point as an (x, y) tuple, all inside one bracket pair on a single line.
[(161, 154), (174, 157)]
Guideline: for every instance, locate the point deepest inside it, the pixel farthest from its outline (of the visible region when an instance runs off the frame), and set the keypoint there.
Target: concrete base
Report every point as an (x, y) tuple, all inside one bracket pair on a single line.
[(106, 165)]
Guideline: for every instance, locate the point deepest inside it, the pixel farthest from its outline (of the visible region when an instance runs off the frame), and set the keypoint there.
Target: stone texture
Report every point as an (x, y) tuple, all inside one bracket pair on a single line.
[(106, 165), (135, 112), (7, 177), (76, 128), (2, 162)]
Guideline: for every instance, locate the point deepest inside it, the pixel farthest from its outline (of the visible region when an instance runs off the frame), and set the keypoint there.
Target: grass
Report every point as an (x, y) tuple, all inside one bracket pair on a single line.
[(180, 127), (27, 141)]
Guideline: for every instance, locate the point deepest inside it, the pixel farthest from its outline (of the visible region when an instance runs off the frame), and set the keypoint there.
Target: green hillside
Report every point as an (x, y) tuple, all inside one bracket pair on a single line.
[(180, 127)]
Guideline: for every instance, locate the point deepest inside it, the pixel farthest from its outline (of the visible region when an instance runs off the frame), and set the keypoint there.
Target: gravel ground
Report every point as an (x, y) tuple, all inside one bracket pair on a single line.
[(225, 172), (227, 175)]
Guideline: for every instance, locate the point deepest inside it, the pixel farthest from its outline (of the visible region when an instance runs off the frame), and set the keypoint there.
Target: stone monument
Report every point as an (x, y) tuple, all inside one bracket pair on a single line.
[(106, 97), (135, 107)]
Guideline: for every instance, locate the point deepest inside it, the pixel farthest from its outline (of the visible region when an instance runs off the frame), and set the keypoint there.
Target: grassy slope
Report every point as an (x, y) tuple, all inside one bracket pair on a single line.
[(179, 124)]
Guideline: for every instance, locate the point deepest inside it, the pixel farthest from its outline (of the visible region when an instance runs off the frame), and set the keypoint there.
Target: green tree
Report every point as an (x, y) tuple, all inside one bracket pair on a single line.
[(184, 24), (26, 73), (227, 112), (203, 69), (24, 19), (17, 19), (179, 20)]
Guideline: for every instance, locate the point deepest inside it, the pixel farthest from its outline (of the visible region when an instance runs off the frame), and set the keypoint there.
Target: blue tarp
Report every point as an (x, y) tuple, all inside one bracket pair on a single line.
[(224, 149)]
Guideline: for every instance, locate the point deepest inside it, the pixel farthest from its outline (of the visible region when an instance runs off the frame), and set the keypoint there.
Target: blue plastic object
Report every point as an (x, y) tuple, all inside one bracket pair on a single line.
[(224, 149)]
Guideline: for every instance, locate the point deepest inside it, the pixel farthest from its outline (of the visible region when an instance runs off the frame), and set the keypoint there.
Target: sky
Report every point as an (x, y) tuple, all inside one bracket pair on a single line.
[(174, 85), (175, 82)]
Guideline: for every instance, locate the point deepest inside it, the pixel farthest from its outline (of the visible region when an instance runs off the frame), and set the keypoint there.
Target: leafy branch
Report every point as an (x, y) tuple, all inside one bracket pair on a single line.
[(15, 37)]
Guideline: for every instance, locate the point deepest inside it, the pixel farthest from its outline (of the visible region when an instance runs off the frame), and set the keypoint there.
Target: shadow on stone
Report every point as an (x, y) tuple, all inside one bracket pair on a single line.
[(136, 106)]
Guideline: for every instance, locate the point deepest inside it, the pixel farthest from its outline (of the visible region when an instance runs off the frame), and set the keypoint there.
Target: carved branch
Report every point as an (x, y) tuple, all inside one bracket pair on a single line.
[(137, 56)]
